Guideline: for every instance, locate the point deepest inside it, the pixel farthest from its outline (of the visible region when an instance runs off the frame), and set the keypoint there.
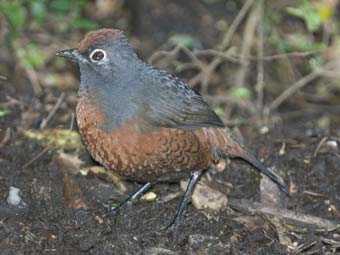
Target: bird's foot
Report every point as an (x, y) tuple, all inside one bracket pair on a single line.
[(130, 200)]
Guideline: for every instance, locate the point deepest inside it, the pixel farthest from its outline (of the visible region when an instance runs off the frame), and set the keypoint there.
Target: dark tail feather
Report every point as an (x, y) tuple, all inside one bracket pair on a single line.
[(260, 167), (226, 145)]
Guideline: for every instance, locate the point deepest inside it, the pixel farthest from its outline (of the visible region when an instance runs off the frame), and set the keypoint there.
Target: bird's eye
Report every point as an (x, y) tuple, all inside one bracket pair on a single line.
[(97, 55)]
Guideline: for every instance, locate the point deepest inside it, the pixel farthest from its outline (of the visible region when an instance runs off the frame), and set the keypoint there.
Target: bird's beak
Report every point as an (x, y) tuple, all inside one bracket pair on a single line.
[(71, 53)]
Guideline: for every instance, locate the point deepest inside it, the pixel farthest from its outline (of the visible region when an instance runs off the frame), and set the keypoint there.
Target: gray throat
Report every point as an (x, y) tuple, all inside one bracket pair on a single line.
[(116, 94)]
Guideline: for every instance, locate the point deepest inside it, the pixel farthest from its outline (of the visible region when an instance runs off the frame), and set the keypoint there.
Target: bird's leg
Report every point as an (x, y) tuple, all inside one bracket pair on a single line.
[(186, 197), (133, 197)]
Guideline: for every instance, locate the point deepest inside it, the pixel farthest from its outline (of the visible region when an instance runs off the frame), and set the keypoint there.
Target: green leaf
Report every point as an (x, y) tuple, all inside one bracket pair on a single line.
[(38, 9), (298, 12), (212, 1), (219, 110), (307, 12), (315, 61), (58, 138), (15, 14), (31, 56), (313, 21), (62, 6), (84, 24), (241, 92), (66, 6), (300, 42), (4, 112), (183, 40)]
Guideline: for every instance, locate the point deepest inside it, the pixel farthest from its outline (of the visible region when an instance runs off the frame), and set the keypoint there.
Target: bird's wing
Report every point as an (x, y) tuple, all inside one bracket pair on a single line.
[(172, 103)]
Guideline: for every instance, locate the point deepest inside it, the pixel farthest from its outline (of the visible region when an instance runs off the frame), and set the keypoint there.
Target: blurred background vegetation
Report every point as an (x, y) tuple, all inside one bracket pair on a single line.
[(268, 68), (257, 61)]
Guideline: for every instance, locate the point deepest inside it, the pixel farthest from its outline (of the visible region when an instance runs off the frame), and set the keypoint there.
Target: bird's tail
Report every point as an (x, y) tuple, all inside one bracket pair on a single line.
[(224, 145), (246, 155)]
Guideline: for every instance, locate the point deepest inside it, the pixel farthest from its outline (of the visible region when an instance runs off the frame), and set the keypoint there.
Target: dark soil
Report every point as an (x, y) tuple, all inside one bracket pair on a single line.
[(47, 224)]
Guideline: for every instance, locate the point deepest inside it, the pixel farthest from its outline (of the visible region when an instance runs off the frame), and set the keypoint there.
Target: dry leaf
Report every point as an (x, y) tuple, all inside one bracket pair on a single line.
[(109, 176), (71, 162), (57, 138), (206, 197), (72, 194), (149, 196), (270, 193)]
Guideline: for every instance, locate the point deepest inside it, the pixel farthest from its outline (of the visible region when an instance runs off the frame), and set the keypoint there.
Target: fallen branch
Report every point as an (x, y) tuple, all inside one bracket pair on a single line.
[(298, 85), (233, 27), (316, 151), (204, 75), (34, 81), (247, 41), (36, 157), (259, 87), (53, 111), (163, 53), (7, 137), (248, 206)]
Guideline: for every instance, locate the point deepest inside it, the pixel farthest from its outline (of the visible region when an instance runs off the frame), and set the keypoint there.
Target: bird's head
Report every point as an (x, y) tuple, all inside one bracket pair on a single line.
[(102, 53)]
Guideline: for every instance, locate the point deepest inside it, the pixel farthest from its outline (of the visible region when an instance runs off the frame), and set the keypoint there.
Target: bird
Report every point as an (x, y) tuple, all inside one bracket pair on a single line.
[(145, 124)]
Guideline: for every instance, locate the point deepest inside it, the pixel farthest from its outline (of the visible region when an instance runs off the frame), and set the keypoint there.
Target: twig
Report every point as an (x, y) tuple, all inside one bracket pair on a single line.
[(228, 99), (295, 87), (333, 243), (236, 58), (323, 140), (303, 247), (206, 73), (12, 101), (260, 52), (285, 55), (203, 76), (72, 121), (310, 108), (292, 89), (33, 78), (53, 111), (195, 80), (6, 138), (225, 44), (193, 57), (39, 155), (233, 27), (248, 37), (225, 55), (3, 77), (246, 205), (330, 74), (311, 193), (162, 53)]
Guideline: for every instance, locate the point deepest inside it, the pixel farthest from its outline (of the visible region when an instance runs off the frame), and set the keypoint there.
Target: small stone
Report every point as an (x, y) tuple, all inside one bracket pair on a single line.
[(206, 197), (332, 144), (99, 219), (264, 130), (205, 244), (149, 196), (14, 197), (282, 149), (87, 243), (160, 251)]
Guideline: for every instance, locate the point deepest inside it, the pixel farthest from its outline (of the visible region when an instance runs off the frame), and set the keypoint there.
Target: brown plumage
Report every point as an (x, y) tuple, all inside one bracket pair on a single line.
[(150, 156), (92, 38), (145, 124)]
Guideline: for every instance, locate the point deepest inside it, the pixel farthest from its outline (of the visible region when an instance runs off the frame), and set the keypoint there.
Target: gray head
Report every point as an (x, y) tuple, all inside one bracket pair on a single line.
[(104, 54), (108, 70)]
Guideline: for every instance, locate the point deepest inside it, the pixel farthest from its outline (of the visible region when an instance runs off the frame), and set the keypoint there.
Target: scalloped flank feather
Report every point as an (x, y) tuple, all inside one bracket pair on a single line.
[(97, 36)]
